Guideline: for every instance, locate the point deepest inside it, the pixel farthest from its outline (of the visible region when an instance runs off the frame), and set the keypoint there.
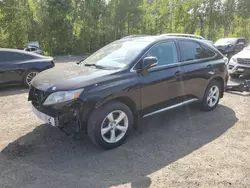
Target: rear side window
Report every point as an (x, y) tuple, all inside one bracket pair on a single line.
[(14, 56), (193, 51)]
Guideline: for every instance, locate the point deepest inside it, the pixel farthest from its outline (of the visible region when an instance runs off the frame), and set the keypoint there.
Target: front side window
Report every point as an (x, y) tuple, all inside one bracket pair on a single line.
[(193, 51), (117, 54), (165, 52)]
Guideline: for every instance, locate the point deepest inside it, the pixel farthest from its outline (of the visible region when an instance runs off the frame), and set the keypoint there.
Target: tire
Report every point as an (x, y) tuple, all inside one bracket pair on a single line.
[(99, 122), (206, 104), (27, 74), (234, 75)]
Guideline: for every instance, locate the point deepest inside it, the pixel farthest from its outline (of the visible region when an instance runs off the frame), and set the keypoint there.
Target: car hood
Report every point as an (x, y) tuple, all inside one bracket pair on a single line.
[(70, 77), (243, 54), (222, 46)]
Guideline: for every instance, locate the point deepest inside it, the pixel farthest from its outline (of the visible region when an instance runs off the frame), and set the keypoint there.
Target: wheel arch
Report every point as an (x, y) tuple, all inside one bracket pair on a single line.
[(123, 99), (30, 69), (222, 83)]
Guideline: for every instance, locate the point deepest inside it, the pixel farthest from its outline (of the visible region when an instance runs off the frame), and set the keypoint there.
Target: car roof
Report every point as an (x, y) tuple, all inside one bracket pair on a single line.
[(158, 38), (183, 35), (13, 50), (21, 51)]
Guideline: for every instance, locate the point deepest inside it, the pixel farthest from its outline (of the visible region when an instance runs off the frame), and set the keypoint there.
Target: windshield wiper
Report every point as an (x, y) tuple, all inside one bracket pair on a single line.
[(96, 66)]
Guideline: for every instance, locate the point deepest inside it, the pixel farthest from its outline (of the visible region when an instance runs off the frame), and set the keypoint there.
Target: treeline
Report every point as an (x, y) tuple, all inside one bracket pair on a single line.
[(83, 26)]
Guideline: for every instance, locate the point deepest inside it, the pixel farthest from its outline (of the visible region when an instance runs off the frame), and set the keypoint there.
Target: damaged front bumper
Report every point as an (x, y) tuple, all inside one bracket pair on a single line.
[(68, 116)]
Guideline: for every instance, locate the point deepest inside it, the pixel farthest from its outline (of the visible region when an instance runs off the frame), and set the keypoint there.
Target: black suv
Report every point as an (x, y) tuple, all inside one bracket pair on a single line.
[(230, 46), (108, 93)]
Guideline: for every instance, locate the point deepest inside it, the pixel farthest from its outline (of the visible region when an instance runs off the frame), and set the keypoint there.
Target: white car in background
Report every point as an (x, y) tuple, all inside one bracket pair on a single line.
[(240, 63)]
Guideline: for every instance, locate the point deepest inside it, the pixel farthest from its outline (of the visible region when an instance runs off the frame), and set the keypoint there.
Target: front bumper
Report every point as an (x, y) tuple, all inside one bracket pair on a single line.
[(65, 118), (68, 116), (235, 68)]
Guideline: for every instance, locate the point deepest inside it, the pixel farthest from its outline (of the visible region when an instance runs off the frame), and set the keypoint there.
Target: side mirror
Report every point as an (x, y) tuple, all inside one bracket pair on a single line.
[(149, 62)]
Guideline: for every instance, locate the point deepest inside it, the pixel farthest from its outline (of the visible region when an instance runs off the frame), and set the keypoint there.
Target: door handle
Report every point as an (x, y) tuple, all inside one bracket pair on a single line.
[(178, 74)]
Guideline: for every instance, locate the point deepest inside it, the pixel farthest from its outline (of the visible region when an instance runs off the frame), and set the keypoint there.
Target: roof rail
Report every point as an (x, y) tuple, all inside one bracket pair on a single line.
[(183, 35), (133, 36)]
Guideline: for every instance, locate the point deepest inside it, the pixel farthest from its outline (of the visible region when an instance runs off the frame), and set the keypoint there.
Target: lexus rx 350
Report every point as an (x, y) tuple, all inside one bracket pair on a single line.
[(131, 78)]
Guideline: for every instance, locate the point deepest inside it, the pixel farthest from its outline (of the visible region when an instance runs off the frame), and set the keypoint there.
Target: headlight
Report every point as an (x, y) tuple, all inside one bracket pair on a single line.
[(62, 96), (233, 60)]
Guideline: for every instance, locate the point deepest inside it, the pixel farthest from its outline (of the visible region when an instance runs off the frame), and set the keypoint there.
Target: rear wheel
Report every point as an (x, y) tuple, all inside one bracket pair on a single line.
[(109, 125), (212, 96), (28, 76)]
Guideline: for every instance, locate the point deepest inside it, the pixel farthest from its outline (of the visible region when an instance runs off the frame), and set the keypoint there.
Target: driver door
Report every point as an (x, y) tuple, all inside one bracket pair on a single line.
[(162, 86)]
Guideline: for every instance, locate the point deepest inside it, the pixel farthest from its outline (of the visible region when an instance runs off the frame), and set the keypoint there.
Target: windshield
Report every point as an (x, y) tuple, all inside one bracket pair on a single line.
[(225, 41), (117, 54)]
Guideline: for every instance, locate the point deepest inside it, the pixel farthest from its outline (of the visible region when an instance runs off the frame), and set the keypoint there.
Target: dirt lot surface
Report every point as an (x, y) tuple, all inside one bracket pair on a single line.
[(181, 148)]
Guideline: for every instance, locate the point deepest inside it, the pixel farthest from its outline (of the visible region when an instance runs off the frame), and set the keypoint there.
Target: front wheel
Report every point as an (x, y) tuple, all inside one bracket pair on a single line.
[(109, 125), (212, 96)]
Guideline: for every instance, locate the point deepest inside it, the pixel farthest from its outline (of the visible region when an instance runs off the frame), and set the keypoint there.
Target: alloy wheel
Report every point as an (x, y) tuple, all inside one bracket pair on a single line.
[(114, 126), (213, 96), (30, 76)]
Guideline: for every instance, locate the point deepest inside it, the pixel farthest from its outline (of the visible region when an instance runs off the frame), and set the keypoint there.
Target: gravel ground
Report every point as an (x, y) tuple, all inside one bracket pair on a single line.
[(180, 148)]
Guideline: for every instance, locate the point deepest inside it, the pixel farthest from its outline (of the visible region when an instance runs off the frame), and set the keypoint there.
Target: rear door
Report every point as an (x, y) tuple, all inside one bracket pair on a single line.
[(11, 66), (162, 86), (200, 63)]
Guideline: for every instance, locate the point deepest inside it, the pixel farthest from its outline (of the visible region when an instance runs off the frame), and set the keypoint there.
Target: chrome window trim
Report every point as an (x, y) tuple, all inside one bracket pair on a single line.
[(178, 63)]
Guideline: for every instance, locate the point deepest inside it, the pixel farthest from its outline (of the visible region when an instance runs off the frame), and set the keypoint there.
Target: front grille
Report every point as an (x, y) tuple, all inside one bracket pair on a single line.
[(243, 61)]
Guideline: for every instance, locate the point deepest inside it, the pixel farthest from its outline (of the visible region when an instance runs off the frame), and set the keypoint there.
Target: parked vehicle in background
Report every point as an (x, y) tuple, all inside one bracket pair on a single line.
[(240, 63), (189, 36), (34, 49), (126, 80), (230, 46), (33, 46), (20, 67)]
